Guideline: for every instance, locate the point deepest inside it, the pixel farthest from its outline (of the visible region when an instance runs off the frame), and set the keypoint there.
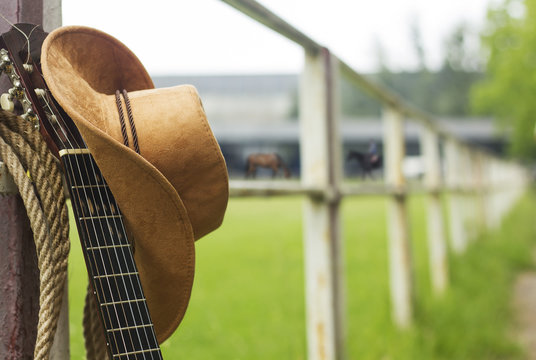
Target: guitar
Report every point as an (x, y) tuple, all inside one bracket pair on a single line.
[(108, 254)]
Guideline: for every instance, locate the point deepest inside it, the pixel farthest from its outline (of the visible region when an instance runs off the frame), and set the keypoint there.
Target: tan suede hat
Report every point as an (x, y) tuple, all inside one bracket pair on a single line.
[(174, 189)]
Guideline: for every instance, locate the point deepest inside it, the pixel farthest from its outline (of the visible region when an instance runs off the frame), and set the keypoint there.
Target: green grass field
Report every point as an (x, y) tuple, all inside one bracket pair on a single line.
[(248, 295)]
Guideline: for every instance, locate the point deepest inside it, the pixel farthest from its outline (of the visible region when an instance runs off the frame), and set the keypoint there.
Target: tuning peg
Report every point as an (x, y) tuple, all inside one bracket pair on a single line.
[(4, 60), (6, 102), (4, 57), (16, 92), (30, 116), (17, 86)]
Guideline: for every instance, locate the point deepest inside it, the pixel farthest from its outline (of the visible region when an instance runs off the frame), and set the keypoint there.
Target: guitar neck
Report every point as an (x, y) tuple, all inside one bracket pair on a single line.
[(110, 262), (113, 274)]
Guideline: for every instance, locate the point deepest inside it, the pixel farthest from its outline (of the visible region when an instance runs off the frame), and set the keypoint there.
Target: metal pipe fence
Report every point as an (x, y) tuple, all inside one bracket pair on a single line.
[(481, 189)]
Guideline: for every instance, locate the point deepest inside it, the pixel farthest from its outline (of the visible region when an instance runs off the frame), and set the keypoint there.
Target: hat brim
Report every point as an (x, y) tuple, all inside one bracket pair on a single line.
[(154, 213)]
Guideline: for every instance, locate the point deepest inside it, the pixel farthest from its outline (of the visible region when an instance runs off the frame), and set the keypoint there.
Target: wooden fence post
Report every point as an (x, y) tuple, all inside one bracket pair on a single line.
[(480, 190), (18, 274), (400, 257), (458, 234), (320, 149), (437, 249), (19, 299), (493, 172), (469, 193)]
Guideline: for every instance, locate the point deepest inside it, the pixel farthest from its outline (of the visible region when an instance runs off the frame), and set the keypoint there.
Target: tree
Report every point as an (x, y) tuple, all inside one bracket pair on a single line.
[(443, 92), (418, 46), (509, 87), (460, 69)]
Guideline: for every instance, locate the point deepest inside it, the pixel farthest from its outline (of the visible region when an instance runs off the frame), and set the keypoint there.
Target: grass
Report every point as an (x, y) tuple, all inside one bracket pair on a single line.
[(248, 296)]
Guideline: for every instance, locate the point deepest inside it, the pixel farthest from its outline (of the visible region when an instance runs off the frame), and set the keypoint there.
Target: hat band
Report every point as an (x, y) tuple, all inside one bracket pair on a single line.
[(130, 119)]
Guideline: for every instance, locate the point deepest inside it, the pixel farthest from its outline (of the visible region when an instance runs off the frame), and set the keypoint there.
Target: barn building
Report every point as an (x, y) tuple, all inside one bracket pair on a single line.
[(258, 113)]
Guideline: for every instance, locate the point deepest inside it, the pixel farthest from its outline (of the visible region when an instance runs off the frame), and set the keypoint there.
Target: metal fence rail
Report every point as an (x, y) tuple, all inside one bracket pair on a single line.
[(480, 188)]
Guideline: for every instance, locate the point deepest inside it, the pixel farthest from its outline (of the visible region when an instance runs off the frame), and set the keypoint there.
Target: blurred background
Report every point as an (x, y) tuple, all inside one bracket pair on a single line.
[(468, 63), (434, 54)]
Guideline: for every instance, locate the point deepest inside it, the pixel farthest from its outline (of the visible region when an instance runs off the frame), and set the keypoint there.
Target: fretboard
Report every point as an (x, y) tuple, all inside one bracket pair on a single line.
[(110, 262)]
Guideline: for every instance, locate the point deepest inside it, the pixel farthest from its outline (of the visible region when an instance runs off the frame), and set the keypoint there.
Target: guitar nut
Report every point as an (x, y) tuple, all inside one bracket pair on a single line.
[(40, 93)]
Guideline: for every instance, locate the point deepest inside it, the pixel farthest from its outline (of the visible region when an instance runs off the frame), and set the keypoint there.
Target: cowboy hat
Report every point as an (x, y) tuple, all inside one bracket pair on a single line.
[(163, 166)]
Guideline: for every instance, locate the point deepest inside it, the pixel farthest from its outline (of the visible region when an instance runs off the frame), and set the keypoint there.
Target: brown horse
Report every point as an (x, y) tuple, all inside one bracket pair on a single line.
[(271, 161)]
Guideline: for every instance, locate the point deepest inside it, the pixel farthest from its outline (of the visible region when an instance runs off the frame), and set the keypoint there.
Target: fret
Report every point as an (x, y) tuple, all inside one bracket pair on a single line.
[(99, 194), (115, 275), (96, 201), (128, 356), (101, 264), (120, 341), (118, 290), (100, 217), (130, 328), (102, 232), (121, 314), (102, 186), (82, 169), (107, 246), (122, 302)]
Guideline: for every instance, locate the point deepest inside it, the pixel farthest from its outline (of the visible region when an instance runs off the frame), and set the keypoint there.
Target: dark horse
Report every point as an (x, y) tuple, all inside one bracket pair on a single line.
[(367, 161), (271, 161)]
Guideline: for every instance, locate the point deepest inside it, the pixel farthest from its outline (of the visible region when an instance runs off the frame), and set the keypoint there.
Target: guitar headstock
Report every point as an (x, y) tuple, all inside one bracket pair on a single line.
[(29, 96)]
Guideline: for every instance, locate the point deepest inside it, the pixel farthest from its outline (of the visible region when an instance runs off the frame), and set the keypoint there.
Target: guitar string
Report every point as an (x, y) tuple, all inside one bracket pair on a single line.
[(122, 270), (129, 249), (81, 207), (78, 202), (137, 304), (115, 250), (152, 333), (81, 211), (27, 37)]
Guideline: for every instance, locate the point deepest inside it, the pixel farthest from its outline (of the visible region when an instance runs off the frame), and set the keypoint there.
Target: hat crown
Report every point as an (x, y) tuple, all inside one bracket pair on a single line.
[(101, 61)]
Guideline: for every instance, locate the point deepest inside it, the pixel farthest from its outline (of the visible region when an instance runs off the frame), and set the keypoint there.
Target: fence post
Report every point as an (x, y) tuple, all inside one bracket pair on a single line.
[(320, 150), (400, 258), (454, 178), (19, 298), (468, 179), (437, 249), (480, 190), (18, 273), (474, 210)]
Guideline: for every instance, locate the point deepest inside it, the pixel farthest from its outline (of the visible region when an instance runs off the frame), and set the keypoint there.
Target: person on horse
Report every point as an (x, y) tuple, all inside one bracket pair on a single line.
[(373, 152)]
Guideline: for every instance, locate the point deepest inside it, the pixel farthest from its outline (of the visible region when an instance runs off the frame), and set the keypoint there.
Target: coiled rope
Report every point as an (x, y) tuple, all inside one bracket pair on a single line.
[(37, 176), (93, 335)]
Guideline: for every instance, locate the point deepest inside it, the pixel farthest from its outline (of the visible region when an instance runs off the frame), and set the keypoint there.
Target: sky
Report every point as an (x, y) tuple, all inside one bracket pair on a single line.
[(210, 37)]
